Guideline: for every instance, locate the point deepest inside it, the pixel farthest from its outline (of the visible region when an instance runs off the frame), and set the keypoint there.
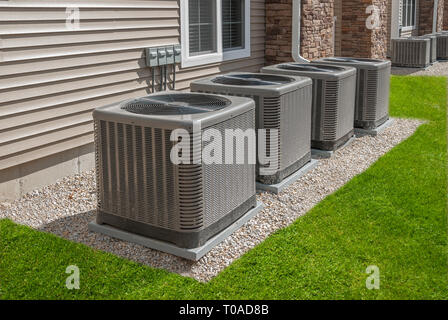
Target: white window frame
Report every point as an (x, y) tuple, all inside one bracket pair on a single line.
[(220, 55)]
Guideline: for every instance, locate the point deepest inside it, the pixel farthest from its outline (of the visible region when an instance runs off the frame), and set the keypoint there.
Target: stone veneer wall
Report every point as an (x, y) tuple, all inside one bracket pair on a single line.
[(388, 27), (440, 13), (316, 30), (445, 17), (356, 40), (359, 41), (317, 39), (381, 34)]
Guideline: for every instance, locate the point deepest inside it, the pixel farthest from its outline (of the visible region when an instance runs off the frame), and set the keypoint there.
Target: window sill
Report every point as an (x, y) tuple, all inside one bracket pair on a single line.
[(215, 58), (201, 59), (236, 54), (407, 29)]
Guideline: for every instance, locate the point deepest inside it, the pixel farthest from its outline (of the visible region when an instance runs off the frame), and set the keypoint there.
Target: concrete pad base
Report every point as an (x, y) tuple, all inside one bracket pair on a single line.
[(191, 254), (359, 132), (325, 154), (410, 69), (279, 187)]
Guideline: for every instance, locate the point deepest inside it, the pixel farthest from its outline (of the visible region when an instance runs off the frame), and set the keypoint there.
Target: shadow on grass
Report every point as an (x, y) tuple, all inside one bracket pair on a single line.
[(75, 228)]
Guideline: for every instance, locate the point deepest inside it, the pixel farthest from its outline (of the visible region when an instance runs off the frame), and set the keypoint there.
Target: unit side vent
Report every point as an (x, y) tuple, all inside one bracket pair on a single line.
[(411, 52), (372, 95), (234, 182), (330, 118), (272, 120), (149, 198), (191, 203)]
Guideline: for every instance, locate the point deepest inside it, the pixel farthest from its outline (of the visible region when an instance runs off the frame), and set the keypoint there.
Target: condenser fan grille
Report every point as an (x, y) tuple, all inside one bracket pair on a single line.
[(251, 80), (176, 104), (309, 67)]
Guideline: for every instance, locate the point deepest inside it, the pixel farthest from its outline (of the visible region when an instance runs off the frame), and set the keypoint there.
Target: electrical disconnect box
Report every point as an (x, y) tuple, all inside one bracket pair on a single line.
[(160, 56), (170, 55), (162, 62)]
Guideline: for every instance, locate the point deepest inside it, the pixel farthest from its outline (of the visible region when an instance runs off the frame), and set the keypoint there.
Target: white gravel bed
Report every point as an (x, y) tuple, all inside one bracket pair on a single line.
[(66, 207), (439, 68)]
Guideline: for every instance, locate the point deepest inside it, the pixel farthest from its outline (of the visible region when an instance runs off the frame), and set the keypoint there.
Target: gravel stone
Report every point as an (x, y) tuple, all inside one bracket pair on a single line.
[(66, 207)]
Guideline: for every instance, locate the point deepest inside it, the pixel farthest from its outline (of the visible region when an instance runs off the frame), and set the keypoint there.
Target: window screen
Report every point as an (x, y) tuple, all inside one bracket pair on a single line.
[(408, 17), (232, 24), (202, 30)]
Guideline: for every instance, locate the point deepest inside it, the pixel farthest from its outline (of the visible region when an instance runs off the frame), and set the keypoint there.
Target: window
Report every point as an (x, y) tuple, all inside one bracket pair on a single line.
[(408, 13), (232, 24), (214, 31), (201, 27)]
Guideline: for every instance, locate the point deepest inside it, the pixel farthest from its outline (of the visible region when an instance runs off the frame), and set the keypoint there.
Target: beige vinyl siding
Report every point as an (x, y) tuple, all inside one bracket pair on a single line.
[(51, 78)]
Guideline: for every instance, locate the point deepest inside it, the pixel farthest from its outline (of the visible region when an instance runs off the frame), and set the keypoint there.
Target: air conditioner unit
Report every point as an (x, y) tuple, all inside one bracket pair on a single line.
[(372, 89), (282, 103), (442, 45), (432, 46), (411, 52), (143, 191), (333, 101)]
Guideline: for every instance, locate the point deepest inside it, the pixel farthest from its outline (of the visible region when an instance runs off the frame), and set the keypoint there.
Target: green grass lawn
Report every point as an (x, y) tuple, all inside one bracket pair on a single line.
[(392, 216)]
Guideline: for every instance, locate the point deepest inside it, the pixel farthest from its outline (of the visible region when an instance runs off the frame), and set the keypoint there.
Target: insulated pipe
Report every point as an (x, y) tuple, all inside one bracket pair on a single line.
[(296, 15), (174, 76), (153, 79), (161, 77)]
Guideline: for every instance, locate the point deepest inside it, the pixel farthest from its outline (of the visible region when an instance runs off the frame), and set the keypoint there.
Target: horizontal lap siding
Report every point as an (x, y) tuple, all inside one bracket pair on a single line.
[(51, 78)]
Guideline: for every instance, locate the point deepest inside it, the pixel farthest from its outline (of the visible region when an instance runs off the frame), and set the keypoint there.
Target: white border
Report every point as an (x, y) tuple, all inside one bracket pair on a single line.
[(219, 55)]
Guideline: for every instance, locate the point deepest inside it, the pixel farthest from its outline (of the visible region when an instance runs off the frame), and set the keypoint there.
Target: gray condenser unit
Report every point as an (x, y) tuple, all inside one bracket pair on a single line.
[(442, 45), (282, 103), (372, 89), (413, 52), (143, 191), (333, 100), (432, 46)]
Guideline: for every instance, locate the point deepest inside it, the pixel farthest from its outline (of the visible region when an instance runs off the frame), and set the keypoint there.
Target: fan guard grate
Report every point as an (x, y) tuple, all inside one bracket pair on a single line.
[(176, 104)]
